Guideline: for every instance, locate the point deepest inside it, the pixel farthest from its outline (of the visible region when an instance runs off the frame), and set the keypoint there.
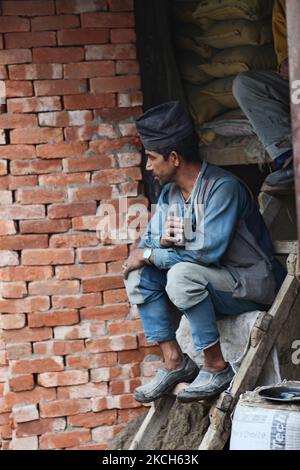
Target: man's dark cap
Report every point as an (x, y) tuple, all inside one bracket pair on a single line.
[(164, 125)]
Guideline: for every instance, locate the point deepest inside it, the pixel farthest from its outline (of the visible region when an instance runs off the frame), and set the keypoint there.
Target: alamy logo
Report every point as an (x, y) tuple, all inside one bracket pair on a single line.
[(278, 431)]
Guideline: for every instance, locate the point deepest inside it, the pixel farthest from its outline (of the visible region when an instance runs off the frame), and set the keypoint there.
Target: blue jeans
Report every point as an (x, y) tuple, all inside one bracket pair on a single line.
[(203, 294)]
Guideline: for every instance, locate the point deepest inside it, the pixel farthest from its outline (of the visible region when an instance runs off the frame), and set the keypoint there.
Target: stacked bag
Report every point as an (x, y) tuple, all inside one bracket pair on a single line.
[(214, 41)]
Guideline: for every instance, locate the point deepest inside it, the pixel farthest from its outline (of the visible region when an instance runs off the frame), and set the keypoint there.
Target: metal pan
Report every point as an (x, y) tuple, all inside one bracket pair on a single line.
[(287, 394)]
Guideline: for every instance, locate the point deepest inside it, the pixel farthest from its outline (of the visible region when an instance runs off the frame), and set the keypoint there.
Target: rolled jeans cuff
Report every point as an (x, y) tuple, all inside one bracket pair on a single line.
[(160, 336), (274, 151)]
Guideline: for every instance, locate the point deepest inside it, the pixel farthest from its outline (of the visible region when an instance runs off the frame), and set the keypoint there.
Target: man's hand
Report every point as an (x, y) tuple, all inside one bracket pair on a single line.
[(173, 231), (284, 69), (134, 261)]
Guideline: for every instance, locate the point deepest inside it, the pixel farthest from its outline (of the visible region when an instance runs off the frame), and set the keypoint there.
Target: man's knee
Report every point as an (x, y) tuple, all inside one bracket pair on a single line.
[(243, 85), (179, 281)]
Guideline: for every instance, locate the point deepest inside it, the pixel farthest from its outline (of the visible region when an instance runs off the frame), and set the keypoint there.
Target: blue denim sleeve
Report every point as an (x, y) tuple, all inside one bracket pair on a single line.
[(225, 206), (152, 236)]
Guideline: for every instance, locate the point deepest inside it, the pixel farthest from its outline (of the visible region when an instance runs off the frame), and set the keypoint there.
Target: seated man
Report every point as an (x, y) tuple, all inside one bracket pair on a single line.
[(264, 97), (224, 264)]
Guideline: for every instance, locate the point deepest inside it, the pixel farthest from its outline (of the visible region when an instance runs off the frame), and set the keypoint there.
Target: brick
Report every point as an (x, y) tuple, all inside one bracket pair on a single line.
[(37, 365), (117, 176), (105, 68), (115, 267), (44, 226), (13, 290), (116, 343), (87, 390), (86, 223), (128, 129), (102, 433), (30, 396), (36, 135), (20, 383), (17, 88), (51, 23), (90, 132), (47, 257), (118, 114), (15, 182), (17, 212), (123, 36), (18, 351), (59, 87), (115, 296), (80, 271), (61, 150), (29, 304), (105, 100), (64, 180), (25, 413), (40, 196), (88, 163), (124, 67), (85, 330), (64, 408), (80, 6), (107, 20), (73, 240), (36, 167), (101, 283), (113, 145), (25, 273), (125, 357), (89, 193), (82, 36), (3, 72), (107, 312), (61, 379), (129, 189), (56, 318), (12, 322), (129, 326), (13, 24), (65, 118), (40, 427), (3, 167), (34, 105), (20, 242), (6, 197), (119, 387), (53, 287), (7, 227), (15, 56), (109, 253), (28, 8), (133, 99), (17, 152), (111, 52), (56, 55), (59, 347), (91, 420), (59, 211), (129, 159), (35, 71), (120, 5), (64, 439), (20, 40), (116, 401), (126, 416), (24, 443), (14, 121), (88, 361), (76, 301)]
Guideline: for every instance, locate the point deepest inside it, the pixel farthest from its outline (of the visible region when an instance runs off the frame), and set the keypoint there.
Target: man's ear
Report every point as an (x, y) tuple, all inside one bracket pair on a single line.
[(175, 158)]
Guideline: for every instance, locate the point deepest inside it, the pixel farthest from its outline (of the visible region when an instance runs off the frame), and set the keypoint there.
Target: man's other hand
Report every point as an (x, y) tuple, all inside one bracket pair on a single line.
[(284, 69), (134, 261), (173, 231)]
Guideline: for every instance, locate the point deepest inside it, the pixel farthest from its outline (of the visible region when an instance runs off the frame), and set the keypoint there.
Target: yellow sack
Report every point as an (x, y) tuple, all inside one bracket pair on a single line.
[(186, 38), (228, 9), (233, 33), (221, 91), (240, 59), (189, 67), (202, 106)]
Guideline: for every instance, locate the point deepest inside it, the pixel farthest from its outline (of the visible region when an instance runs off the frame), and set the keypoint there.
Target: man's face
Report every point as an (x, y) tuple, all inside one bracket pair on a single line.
[(162, 170)]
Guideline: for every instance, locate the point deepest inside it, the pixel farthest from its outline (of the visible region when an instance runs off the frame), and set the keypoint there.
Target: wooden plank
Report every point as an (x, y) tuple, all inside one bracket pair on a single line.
[(286, 247), (250, 370), (155, 419)]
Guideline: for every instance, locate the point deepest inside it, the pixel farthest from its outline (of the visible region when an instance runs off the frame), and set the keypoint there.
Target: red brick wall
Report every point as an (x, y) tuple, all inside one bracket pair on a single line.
[(71, 348)]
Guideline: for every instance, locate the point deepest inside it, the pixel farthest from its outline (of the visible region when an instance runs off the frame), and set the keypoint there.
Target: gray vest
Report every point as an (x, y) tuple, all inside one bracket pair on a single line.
[(244, 259)]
